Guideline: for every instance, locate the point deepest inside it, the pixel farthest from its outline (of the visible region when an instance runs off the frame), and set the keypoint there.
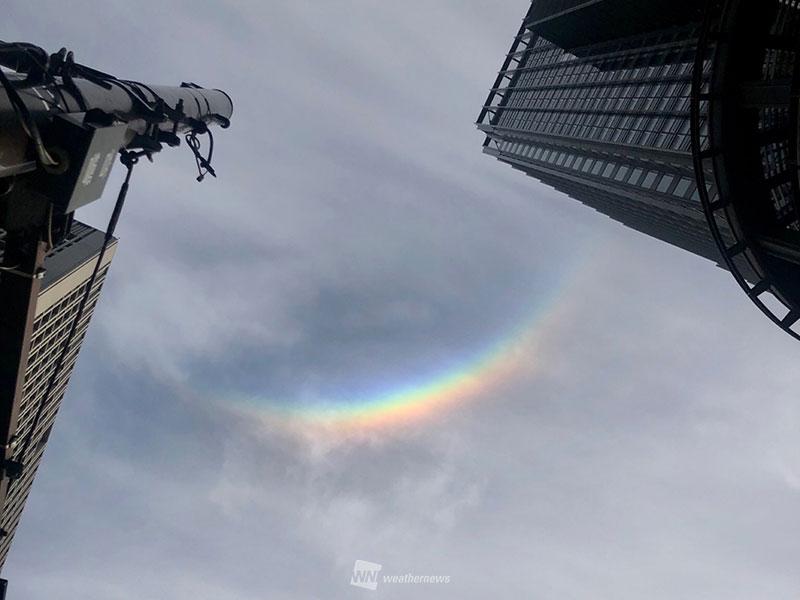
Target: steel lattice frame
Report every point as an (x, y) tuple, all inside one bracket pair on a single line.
[(742, 253)]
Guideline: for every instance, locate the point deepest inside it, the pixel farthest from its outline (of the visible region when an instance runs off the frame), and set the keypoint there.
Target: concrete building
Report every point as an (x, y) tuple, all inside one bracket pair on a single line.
[(68, 268)]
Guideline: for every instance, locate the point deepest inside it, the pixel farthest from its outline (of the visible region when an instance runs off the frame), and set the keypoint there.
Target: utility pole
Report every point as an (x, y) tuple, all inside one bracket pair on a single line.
[(62, 127)]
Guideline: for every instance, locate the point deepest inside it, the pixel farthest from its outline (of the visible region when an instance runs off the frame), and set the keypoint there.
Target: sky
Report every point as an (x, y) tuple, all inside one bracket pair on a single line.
[(365, 340)]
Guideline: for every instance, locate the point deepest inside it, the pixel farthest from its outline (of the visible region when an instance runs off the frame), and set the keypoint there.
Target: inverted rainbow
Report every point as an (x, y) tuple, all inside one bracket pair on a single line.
[(513, 354)]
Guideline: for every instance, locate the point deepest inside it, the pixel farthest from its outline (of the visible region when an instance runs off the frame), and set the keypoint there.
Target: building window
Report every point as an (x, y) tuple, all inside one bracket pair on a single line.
[(649, 180), (682, 187), (664, 184)]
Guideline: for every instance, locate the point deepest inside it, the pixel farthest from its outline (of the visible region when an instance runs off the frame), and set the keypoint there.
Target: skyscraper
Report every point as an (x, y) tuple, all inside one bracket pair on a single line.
[(68, 268), (673, 118)]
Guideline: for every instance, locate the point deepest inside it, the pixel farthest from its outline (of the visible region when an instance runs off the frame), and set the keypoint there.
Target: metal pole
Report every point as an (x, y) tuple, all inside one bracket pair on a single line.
[(106, 115)]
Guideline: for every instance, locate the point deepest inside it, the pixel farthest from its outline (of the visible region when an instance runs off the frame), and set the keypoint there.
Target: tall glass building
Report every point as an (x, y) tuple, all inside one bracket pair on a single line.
[(69, 266), (619, 103)]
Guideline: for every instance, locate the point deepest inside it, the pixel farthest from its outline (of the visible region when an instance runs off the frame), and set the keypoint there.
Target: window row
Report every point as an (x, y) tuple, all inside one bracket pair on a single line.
[(595, 97), (557, 64), (649, 131), (664, 183)]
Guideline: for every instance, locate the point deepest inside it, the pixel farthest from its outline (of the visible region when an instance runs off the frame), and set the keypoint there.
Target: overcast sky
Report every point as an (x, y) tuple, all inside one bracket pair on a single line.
[(643, 444)]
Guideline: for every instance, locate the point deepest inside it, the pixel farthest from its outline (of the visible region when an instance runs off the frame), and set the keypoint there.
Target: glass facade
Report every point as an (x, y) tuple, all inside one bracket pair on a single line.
[(609, 122)]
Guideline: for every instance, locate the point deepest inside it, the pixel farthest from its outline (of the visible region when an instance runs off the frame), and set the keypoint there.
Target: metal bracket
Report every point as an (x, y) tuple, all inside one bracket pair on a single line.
[(39, 274)]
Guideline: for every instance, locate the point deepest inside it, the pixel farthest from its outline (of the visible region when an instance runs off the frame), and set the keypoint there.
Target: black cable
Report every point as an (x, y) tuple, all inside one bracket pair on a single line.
[(25, 56), (158, 109), (37, 63), (129, 159), (46, 68), (34, 61), (27, 121), (203, 162), (66, 68)]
